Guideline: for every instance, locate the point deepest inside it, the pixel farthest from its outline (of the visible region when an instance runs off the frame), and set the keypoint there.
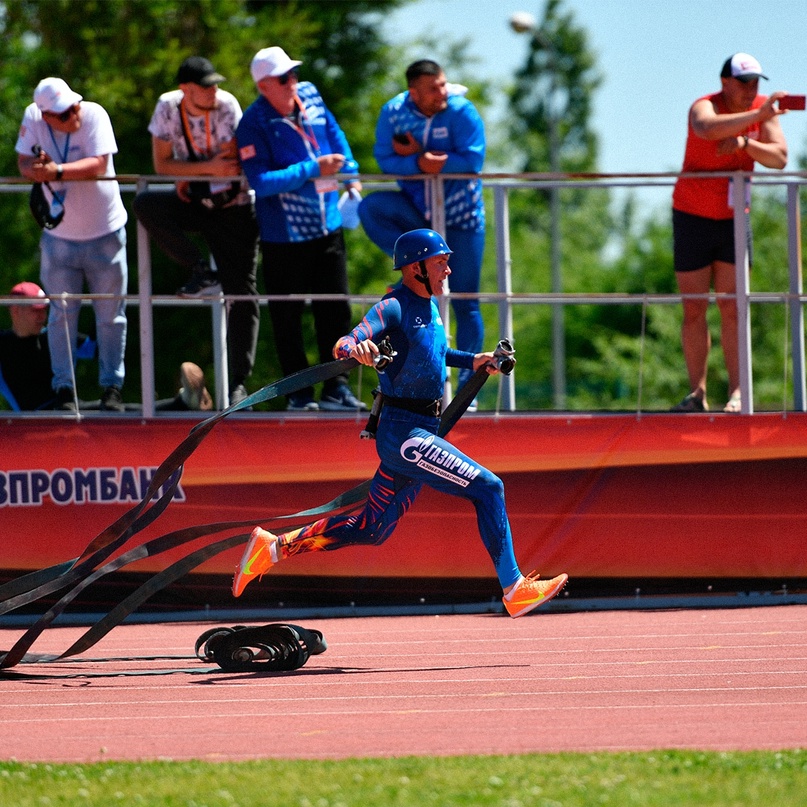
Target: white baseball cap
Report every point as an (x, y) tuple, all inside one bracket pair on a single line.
[(743, 67), (272, 61), (53, 95)]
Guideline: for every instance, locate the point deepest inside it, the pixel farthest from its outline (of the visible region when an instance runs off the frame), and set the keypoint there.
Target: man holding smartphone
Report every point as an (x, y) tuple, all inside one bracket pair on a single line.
[(291, 148), (730, 130), (433, 128)]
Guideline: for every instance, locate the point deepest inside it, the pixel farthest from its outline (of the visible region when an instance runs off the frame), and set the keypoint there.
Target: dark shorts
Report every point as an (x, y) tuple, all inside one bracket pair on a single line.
[(698, 241)]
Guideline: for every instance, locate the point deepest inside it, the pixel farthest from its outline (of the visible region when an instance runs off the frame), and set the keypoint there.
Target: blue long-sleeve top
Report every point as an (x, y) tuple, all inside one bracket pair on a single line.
[(416, 333), (458, 131), (279, 156)]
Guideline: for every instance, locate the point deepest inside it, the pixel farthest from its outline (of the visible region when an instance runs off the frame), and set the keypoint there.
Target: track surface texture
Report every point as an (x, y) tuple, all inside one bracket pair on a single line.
[(423, 685)]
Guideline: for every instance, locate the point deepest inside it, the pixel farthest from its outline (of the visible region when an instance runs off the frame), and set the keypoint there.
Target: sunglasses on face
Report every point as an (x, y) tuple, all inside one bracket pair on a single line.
[(63, 116), (286, 77)]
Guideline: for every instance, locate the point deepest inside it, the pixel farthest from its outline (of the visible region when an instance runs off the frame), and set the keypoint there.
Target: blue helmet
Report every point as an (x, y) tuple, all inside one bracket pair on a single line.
[(417, 245)]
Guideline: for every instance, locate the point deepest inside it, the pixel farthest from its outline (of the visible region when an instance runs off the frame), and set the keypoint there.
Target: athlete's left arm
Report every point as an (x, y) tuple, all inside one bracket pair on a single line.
[(460, 358)]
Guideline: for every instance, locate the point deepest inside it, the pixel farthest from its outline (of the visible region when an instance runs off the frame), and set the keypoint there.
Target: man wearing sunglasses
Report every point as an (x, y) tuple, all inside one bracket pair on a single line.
[(64, 138), (291, 148), (192, 135)]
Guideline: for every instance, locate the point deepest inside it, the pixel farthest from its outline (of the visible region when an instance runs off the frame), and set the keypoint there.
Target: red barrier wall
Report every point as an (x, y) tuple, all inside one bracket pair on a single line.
[(596, 496)]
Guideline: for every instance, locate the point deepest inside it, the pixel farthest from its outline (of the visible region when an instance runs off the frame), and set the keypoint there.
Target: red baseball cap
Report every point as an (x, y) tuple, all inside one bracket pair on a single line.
[(32, 291)]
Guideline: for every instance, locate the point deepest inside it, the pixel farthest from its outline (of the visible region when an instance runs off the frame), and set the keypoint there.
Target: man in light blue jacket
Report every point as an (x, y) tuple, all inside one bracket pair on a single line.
[(291, 147), (429, 129)]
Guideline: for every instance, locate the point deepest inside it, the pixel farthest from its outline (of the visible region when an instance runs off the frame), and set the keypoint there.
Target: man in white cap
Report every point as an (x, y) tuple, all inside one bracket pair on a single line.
[(193, 134), (730, 130), (63, 138), (291, 147)]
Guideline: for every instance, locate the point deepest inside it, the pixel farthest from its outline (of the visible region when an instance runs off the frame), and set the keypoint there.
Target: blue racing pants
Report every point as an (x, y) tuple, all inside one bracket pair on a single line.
[(412, 455)]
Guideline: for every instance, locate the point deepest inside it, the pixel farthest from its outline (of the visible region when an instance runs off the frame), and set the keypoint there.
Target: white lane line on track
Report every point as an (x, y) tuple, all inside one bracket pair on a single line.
[(299, 715), (559, 693)]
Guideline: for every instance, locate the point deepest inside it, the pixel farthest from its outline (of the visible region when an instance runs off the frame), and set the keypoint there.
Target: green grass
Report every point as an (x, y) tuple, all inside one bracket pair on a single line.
[(680, 778)]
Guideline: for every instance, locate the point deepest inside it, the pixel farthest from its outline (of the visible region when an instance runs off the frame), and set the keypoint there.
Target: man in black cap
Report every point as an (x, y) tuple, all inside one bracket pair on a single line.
[(193, 134)]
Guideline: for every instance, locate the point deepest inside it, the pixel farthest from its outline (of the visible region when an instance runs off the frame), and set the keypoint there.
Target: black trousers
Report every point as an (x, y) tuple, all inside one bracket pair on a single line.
[(307, 267), (231, 234)]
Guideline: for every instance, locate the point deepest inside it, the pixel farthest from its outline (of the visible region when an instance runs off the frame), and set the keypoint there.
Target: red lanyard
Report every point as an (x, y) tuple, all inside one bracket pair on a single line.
[(300, 130), (189, 136)]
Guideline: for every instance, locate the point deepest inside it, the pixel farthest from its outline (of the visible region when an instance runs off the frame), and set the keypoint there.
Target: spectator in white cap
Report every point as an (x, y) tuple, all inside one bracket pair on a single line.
[(271, 62), (730, 130), (63, 138), (291, 148)]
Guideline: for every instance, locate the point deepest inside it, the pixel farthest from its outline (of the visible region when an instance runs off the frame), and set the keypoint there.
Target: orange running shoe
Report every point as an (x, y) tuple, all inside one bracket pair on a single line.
[(261, 554), (531, 592)]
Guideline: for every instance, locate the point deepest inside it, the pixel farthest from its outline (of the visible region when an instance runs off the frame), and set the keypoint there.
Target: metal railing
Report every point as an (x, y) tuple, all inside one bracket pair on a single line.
[(504, 298)]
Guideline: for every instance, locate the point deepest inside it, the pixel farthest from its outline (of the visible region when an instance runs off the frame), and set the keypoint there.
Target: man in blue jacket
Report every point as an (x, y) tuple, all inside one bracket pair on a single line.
[(429, 129), (291, 147)]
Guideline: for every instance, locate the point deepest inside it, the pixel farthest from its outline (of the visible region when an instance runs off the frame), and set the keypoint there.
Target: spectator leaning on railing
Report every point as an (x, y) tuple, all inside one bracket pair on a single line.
[(432, 128), (64, 137), (192, 134)]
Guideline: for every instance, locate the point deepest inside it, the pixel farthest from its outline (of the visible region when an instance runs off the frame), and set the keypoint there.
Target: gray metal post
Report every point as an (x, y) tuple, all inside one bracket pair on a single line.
[(504, 281), (436, 188), (146, 315), (218, 312), (739, 189), (796, 307)]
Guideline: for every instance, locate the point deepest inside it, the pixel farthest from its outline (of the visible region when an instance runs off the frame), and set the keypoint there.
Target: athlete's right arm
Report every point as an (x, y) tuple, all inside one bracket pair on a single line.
[(383, 316)]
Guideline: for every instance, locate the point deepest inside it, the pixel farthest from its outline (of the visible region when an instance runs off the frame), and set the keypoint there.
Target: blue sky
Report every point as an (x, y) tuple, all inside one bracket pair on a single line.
[(657, 57)]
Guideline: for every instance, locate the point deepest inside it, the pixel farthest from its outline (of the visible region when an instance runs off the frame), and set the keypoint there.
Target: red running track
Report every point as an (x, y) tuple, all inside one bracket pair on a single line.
[(425, 685)]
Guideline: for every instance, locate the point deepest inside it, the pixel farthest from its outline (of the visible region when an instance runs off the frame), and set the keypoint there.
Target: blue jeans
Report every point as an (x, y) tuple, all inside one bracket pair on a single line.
[(385, 215), (65, 265)]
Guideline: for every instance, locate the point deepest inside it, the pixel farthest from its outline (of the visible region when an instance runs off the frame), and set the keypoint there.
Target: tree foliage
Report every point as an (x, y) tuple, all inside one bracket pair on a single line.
[(123, 55)]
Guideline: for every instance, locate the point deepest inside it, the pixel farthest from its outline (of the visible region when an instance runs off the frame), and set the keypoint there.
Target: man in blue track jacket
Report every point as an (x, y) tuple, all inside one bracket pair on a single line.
[(429, 129)]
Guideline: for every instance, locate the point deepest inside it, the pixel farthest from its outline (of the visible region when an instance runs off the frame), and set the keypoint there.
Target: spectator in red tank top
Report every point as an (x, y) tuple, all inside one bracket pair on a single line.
[(730, 130)]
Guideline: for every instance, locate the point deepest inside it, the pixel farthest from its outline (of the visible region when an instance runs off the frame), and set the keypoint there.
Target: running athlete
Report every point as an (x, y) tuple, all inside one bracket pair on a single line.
[(411, 452)]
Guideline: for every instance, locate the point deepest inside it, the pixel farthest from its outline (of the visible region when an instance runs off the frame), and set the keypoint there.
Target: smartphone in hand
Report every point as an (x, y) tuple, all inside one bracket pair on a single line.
[(792, 102)]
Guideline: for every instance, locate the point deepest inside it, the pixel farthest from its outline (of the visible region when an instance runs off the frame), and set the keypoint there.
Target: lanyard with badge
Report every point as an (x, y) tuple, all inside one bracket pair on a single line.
[(322, 185), (193, 155), (57, 203), (212, 195)]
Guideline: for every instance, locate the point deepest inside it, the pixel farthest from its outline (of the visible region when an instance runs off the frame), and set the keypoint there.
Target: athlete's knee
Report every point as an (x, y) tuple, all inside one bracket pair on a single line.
[(488, 485)]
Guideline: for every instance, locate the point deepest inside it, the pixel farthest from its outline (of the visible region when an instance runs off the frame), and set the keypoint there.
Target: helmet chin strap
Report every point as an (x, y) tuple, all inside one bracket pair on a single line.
[(423, 277)]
